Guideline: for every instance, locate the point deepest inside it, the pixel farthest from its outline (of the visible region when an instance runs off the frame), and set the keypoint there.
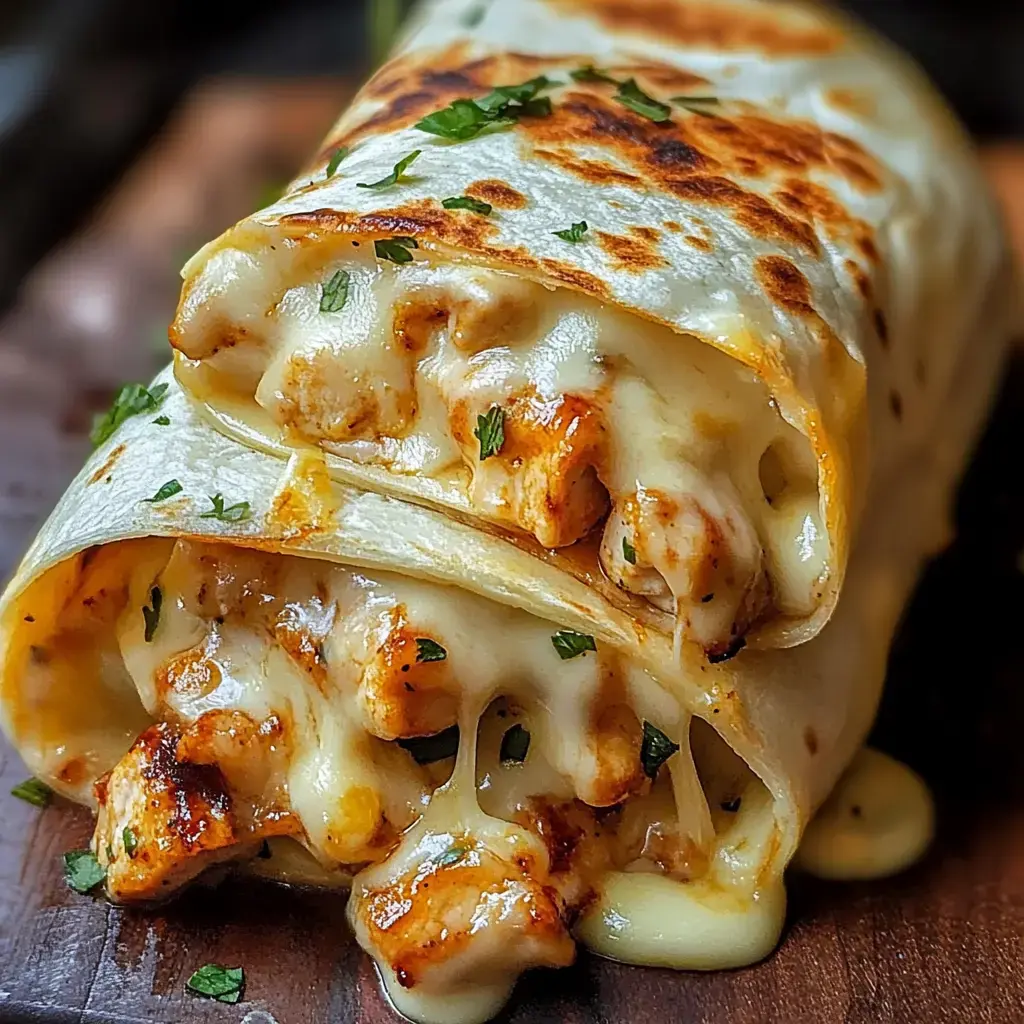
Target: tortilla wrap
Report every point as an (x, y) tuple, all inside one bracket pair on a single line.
[(789, 248), (769, 731)]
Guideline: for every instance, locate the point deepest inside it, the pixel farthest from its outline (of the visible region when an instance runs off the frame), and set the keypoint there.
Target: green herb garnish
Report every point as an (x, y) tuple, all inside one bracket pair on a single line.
[(163, 421), (474, 16), (236, 513), (396, 174), (32, 791), (167, 490), (151, 616), (428, 749), (574, 234), (451, 856), (467, 203), (695, 104), (131, 400), (460, 120), (464, 119), (336, 157), (571, 644), (632, 96), (655, 750), (395, 249), (628, 552), (334, 294), (490, 432), (429, 650), (588, 73), (224, 984), (515, 744), (82, 871), (130, 840)]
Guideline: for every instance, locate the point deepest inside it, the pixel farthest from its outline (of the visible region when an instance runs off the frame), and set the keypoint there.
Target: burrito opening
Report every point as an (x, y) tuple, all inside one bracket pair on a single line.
[(535, 408), (215, 698)]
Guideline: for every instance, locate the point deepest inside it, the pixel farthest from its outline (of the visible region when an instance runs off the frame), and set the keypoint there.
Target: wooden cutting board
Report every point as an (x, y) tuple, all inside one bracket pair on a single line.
[(944, 942)]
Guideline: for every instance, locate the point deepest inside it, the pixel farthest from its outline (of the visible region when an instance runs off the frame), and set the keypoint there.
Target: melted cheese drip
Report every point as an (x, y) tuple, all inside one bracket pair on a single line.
[(651, 920), (878, 821), (398, 378), (297, 642)]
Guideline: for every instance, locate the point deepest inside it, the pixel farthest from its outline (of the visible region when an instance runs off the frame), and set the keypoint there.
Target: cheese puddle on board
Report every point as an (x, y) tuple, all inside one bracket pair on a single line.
[(878, 821)]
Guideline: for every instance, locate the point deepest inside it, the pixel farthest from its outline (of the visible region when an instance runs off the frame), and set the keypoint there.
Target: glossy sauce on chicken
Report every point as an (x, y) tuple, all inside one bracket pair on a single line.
[(532, 407)]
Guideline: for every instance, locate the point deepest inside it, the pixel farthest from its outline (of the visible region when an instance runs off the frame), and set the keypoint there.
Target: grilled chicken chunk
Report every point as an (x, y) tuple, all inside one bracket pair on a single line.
[(465, 915), (163, 821)]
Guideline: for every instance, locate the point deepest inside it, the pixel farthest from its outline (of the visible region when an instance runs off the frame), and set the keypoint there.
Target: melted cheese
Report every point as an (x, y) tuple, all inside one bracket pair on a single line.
[(649, 919), (290, 678), (607, 418), (878, 821)]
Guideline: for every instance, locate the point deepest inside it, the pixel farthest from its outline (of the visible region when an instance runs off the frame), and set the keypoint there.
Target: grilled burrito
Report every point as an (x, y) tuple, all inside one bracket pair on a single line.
[(610, 276), (534, 494)]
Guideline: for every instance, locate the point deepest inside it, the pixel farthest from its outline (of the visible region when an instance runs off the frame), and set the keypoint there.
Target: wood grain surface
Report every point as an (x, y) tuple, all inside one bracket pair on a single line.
[(944, 942)]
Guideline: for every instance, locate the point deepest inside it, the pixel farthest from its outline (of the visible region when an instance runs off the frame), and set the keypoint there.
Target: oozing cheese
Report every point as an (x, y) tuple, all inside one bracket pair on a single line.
[(708, 498), (878, 821), (279, 686)]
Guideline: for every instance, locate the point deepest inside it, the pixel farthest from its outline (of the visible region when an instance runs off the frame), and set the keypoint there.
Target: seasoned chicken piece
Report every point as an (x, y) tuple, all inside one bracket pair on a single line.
[(699, 557), (609, 768), (162, 821), (464, 916), (544, 476), (407, 688)]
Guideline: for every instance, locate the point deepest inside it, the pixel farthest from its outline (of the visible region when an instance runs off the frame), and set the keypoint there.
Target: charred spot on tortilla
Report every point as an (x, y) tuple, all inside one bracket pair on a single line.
[(725, 27), (785, 284), (635, 255), (497, 193)]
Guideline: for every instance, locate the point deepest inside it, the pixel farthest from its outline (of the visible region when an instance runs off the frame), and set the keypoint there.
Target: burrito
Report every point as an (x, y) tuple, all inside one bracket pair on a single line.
[(609, 277), (238, 661), (520, 531)]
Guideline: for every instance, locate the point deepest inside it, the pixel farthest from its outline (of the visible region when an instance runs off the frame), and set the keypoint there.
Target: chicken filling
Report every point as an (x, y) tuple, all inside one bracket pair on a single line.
[(551, 412), (478, 770)]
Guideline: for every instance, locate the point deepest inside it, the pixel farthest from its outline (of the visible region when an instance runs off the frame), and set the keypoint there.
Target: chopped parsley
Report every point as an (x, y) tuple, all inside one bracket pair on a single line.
[(82, 871), (429, 650), (334, 294), (396, 173), (632, 96), (213, 981), (32, 791), (588, 73), (464, 119), (655, 750), (151, 616), (628, 552), (167, 490), (163, 421), (130, 840), (474, 15), (467, 203), (336, 157), (131, 400), (460, 120), (574, 234), (395, 249), (451, 856), (571, 644), (696, 104), (490, 432), (428, 749), (515, 744), (236, 513)]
